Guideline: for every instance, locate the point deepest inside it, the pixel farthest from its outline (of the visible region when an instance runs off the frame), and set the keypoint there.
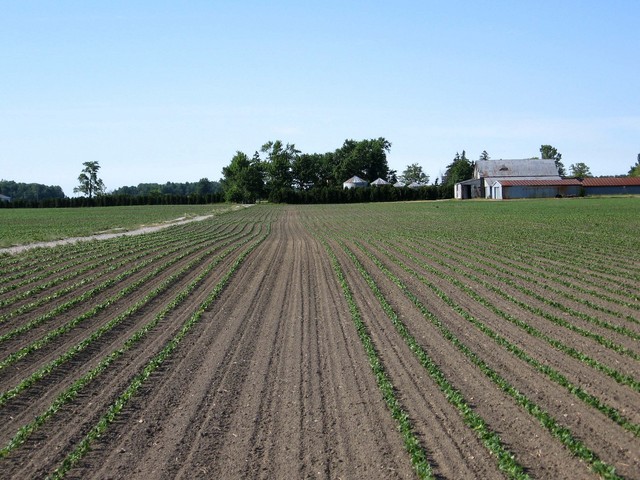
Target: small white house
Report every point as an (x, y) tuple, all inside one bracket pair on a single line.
[(355, 182)]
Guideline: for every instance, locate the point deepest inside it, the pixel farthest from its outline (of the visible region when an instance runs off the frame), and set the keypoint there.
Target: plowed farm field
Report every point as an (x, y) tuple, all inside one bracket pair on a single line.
[(409, 340)]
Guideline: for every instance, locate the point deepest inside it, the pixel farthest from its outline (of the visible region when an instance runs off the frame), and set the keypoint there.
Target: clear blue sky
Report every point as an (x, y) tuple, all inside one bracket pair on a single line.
[(161, 91)]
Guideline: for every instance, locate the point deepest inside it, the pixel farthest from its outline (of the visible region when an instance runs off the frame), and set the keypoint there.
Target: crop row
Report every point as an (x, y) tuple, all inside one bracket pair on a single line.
[(91, 251), (167, 283), (562, 273), (144, 254), (70, 393), (544, 417), (466, 273), (91, 293), (169, 348), (549, 277), (491, 440), (412, 444), (205, 262), (518, 352), (526, 305)]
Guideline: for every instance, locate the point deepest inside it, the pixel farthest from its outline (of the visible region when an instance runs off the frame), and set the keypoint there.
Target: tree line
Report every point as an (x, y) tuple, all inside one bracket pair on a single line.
[(29, 191), (278, 173)]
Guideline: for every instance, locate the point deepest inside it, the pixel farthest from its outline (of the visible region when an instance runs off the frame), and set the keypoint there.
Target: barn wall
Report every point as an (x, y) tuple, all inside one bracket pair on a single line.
[(519, 191), (613, 190)]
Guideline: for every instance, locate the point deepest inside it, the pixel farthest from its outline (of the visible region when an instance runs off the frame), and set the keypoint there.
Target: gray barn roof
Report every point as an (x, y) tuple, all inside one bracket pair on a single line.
[(531, 167)]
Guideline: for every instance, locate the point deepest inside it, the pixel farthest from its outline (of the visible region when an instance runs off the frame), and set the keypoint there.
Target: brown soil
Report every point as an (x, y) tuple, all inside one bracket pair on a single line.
[(273, 381)]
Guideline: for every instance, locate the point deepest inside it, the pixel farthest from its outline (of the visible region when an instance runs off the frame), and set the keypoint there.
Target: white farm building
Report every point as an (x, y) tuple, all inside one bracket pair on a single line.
[(524, 178)]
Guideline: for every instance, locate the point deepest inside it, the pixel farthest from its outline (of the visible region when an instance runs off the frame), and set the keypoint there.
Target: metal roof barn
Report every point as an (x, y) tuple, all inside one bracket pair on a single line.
[(611, 186), (508, 189)]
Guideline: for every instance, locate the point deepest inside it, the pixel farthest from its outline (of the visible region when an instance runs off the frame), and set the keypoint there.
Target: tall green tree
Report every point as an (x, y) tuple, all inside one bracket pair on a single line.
[(484, 155), (366, 159), (414, 173), (459, 170), (580, 170), (243, 179), (90, 183), (549, 152), (278, 167), (309, 170)]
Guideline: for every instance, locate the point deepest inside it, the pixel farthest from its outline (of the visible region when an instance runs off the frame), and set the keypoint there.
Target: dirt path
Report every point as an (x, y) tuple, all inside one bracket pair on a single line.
[(102, 236)]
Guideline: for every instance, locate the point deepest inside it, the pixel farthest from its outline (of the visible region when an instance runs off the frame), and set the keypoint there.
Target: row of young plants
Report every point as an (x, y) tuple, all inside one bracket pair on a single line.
[(129, 288), (550, 277), (117, 407), (528, 292), (50, 265), (69, 394), (623, 267), (492, 441), (506, 275), (113, 255), (111, 264), (95, 273), (546, 370), (606, 255), (89, 295), (615, 374), (168, 282), (492, 284), (83, 253), (53, 273), (31, 261), (561, 264), (36, 259), (412, 443), (555, 428)]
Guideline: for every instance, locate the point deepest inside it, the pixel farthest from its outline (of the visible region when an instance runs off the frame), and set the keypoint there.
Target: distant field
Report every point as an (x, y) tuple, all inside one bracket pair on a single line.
[(28, 225)]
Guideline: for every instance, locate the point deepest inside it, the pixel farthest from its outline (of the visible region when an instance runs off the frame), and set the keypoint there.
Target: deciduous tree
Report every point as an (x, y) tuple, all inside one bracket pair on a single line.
[(414, 173), (242, 180), (90, 184), (366, 159), (277, 167), (547, 151), (580, 170)]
